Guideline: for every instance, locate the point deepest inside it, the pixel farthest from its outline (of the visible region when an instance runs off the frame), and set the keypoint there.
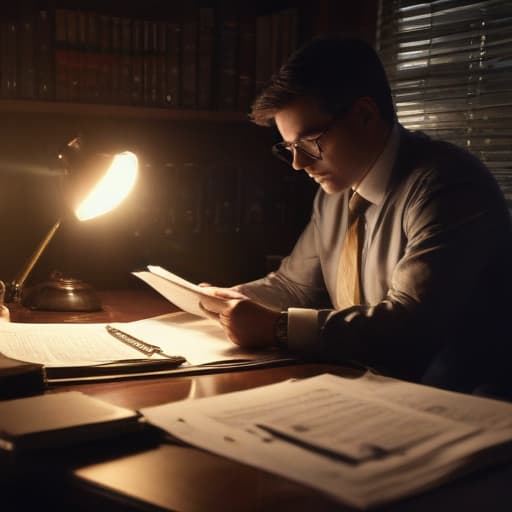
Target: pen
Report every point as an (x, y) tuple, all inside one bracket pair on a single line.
[(141, 346)]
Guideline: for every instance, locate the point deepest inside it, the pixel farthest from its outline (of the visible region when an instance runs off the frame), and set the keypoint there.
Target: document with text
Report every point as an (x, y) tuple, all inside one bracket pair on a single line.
[(81, 350), (365, 441)]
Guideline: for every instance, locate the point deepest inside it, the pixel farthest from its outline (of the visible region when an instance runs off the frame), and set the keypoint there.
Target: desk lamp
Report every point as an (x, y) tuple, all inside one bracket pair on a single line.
[(107, 184)]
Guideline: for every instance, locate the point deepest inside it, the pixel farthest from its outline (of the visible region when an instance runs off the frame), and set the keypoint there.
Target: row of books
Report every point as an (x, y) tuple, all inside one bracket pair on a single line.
[(228, 198), (208, 58)]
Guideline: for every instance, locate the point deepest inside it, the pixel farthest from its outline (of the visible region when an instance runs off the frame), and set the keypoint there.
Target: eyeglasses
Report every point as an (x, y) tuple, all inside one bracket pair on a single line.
[(309, 147)]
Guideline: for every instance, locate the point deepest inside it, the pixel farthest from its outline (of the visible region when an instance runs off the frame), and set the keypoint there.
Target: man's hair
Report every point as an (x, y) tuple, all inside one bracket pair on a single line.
[(335, 70)]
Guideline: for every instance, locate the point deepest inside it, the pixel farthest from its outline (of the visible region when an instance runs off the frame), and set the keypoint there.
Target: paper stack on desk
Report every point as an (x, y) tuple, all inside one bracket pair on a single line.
[(364, 442), (77, 352)]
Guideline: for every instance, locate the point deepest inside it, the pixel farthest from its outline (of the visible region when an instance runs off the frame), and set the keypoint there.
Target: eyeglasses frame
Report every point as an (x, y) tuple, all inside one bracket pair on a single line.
[(289, 146)]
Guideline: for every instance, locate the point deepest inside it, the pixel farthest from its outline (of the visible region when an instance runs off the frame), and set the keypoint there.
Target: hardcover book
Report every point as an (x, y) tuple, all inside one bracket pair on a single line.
[(189, 61), (227, 55), (18, 378), (60, 419)]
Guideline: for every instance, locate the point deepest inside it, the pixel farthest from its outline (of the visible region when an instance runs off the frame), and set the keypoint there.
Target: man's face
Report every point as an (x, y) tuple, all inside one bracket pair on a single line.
[(346, 145)]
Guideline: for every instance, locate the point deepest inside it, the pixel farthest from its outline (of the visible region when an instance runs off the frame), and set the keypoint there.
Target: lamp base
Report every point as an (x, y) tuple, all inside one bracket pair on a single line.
[(62, 294)]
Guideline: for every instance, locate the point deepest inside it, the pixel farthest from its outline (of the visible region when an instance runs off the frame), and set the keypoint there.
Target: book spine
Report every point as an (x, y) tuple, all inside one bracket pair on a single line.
[(44, 62), (60, 55), (137, 78), (170, 214), (105, 57), (228, 51), (246, 63), (73, 63), (289, 23), (9, 33), (161, 63), (189, 61), (226, 195), (190, 199), (146, 61), (154, 82), (263, 53), (82, 57), (285, 28), (275, 41), (294, 29), (206, 53), (254, 190), (125, 64), (173, 64), (116, 84), (26, 68), (93, 58)]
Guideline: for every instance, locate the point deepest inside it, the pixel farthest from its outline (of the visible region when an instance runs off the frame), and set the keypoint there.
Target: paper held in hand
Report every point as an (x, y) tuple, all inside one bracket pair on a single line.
[(180, 292)]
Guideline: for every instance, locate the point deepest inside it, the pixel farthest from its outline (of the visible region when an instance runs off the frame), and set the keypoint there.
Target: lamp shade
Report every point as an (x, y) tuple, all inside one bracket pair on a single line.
[(112, 188), (98, 184)]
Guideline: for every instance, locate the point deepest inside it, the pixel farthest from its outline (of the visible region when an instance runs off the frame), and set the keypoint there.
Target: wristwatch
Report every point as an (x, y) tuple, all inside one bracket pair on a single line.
[(281, 330)]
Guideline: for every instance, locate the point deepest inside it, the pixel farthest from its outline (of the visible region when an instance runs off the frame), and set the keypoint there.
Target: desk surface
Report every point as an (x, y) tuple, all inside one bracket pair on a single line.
[(118, 306), (167, 476)]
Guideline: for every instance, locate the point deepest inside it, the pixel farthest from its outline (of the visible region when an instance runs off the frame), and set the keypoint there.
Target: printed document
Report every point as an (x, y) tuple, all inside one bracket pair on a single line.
[(365, 441), (201, 341)]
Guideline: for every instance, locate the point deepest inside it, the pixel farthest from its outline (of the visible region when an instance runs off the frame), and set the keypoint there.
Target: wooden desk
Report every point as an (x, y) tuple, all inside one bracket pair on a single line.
[(165, 476), (118, 306)]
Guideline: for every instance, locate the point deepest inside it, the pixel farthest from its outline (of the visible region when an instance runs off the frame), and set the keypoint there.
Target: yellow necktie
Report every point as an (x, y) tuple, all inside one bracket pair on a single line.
[(349, 289)]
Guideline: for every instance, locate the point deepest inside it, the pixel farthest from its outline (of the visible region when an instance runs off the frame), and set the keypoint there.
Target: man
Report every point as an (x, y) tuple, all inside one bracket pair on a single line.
[(417, 283)]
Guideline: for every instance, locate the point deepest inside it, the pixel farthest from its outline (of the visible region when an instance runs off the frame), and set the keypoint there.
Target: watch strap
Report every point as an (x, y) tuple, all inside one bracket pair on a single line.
[(281, 330)]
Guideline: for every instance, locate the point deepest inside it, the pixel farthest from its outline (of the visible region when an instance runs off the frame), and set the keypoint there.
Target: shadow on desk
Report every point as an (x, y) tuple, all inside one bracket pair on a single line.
[(186, 479), (41, 480)]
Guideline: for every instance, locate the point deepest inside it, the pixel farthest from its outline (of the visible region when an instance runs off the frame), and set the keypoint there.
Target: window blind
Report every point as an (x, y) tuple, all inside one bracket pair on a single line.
[(450, 67)]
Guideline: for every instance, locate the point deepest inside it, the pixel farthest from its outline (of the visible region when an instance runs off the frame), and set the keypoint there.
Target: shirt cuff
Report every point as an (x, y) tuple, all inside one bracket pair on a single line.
[(303, 331)]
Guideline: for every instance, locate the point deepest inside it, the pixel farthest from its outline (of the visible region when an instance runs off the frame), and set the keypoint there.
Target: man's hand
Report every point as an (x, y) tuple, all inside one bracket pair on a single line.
[(246, 323), (223, 293)]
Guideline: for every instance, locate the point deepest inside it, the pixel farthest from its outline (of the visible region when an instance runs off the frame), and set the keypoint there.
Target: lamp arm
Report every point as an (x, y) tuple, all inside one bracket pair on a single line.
[(16, 286)]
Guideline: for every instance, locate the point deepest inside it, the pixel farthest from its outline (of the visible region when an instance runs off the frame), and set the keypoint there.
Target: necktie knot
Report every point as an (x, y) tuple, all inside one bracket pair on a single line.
[(357, 205)]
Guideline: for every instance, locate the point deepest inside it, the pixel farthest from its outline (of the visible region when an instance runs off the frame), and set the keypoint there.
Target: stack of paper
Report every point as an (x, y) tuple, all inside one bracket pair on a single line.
[(77, 352), (364, 442)]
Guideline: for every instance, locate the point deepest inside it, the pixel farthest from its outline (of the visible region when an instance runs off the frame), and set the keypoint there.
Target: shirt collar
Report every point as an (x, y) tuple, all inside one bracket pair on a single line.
[(374, 185)]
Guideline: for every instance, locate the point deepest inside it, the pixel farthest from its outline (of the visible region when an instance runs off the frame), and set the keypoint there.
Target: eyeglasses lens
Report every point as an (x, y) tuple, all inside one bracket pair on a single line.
[(306, 147)]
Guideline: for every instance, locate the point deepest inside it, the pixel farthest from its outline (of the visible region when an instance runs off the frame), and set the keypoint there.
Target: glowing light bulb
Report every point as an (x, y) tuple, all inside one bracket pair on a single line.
[(115, 185)]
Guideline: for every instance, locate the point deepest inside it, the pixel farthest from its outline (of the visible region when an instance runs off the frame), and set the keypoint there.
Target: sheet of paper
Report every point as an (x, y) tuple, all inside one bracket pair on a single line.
[(181, 293), (229, 425), (342, 424), (62, 344), (199, 340), (481, 412)]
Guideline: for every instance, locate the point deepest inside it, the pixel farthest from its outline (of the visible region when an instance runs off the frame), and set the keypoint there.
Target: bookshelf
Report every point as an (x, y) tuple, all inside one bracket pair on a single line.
[(204, 55), (177, 55)]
